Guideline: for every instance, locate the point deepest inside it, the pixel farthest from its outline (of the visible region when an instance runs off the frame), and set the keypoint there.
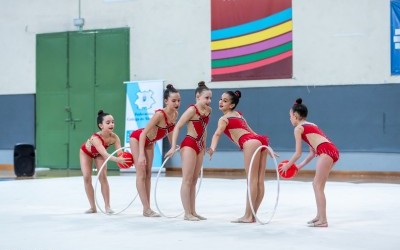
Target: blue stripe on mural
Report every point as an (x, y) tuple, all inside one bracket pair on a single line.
[(252, 27)]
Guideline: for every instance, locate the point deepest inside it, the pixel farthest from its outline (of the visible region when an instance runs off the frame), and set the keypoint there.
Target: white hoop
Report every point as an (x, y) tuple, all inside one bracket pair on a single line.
[(155, 188), (249, 181), (97, 180)]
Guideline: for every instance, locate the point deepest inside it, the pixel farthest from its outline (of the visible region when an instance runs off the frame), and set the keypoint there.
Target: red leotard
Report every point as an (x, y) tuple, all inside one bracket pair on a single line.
[(200, 125), (161, 132), (314, 137), (239, 132), (91, 150)]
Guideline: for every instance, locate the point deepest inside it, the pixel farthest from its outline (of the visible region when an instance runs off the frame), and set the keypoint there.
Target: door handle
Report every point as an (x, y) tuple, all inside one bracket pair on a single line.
[(70, 119)]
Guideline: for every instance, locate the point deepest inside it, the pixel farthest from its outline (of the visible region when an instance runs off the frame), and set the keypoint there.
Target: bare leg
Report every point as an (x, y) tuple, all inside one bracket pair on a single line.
[(248, 150), (105, 188), (149, 157), (260, 180), (140, 175), (188, 157), (324, 166), (86, 168), (193, 190)]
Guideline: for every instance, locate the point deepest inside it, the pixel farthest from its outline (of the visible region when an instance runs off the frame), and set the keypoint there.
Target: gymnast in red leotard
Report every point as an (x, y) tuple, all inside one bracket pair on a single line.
[(320, 146), (192, 148), (95, 149), (142, 142), (236, 128)]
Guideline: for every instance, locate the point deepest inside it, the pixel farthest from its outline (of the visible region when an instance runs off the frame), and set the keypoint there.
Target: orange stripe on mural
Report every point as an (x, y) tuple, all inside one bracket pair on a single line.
[(249, 66)]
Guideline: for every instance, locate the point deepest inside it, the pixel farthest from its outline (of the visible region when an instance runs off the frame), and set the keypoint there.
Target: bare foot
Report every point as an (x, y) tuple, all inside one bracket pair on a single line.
[(199, 216), (313, 220), (150, 213), (244, 220), (91, 211), (109, 211), (191, 217), (319, 224)]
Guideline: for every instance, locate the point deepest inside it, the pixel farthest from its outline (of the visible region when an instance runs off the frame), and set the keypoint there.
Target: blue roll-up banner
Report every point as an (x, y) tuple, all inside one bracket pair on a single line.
[(395, 36), (143, 98)]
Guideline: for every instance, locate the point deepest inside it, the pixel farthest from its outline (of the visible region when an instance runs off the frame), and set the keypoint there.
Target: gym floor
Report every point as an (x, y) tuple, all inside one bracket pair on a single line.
[(46, 212)]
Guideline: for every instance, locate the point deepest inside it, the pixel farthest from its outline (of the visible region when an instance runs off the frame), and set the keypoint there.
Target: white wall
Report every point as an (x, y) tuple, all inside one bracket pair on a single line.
[(335, 41)]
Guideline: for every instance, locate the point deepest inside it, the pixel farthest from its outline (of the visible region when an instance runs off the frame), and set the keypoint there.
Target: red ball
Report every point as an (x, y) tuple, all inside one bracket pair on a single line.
[(290, 173), (128, 163)]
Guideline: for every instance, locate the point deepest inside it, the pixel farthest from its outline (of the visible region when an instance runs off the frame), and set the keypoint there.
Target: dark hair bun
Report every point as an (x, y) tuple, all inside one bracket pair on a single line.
[(169, 86), (100, 112), (201, 84), (238, 93), (299, 101)]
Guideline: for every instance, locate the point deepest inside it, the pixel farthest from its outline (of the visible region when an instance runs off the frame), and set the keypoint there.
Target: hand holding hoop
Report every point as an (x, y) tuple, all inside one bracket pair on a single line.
[(171, 152), (210, 151)]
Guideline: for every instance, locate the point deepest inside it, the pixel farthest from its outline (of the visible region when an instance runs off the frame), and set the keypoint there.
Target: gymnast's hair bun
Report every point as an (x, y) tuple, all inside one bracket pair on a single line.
[(238, 93)]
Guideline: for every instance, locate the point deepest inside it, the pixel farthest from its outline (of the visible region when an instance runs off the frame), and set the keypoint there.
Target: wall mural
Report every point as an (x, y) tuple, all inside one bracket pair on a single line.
[(251, 39)]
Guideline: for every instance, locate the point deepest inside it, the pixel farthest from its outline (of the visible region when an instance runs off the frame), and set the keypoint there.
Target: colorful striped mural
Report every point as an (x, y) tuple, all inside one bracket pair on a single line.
[(251, 39)]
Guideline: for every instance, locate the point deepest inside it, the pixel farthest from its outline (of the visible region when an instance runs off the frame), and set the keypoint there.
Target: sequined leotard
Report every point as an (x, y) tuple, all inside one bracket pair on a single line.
[(314, 137), (91, 150), (200, 126), (159, 134), (239, 132)]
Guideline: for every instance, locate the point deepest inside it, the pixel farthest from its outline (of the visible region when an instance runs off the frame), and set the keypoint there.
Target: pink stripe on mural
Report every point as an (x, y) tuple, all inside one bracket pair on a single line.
[(253, 48), (249, 66)]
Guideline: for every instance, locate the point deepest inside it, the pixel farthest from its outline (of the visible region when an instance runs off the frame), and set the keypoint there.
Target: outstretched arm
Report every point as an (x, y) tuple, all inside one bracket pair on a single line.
[(297, 135), (222, 122), (309, 157), (103, 152)]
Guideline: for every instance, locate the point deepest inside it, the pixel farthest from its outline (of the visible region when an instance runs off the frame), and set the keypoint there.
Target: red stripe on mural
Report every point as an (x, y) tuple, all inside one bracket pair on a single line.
[(225, 13), (279, 70)]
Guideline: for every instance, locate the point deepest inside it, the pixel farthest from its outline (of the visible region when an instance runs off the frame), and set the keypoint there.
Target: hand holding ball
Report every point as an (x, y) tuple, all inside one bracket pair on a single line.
[(129, 160), (291, 171)]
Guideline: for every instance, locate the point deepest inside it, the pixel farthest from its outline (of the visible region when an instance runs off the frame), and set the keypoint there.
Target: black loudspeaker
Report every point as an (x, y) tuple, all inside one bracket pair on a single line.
[(24, 160)]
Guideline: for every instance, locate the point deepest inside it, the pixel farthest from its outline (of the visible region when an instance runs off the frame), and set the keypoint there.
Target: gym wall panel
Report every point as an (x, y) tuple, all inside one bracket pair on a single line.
[(18, 113), (357, 118)]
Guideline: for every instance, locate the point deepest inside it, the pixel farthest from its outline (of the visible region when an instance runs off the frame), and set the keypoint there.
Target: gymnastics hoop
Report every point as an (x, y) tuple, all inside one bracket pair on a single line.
[(249, 181), (97, 180), (155, 188)]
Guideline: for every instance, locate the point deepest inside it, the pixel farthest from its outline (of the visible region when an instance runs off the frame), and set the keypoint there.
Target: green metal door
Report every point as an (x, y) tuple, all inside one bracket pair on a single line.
[(81, 71), (78, 73), (51, 99)]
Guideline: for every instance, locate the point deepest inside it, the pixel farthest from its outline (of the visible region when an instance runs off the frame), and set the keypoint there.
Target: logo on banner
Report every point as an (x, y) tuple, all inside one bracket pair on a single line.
[(145, 99)]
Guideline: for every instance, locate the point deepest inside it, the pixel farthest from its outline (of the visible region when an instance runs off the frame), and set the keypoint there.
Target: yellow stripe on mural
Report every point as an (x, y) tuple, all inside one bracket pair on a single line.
[(252, 38)]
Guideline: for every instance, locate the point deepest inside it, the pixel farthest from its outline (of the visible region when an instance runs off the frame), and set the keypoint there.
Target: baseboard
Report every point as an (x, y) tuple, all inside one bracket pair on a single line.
[(302, 173), (7, 167)]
